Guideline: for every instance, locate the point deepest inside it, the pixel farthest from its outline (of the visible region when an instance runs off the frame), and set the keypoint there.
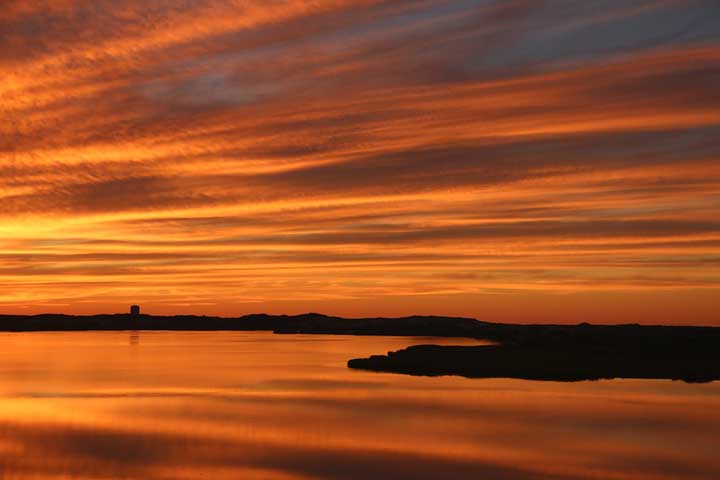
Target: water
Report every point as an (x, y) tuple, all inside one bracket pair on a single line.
[(236, 405)]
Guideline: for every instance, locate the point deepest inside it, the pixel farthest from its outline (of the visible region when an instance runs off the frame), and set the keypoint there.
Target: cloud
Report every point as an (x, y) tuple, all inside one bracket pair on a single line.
[(214, 138)]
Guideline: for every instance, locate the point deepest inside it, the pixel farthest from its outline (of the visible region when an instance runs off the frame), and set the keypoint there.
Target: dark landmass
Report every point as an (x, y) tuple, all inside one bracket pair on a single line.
[(306, 323), (565, 365), (567, 353), (537, 352)]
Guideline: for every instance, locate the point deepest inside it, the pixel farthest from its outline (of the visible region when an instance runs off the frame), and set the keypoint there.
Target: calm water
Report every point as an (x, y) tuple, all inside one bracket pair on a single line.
[(261, 406)]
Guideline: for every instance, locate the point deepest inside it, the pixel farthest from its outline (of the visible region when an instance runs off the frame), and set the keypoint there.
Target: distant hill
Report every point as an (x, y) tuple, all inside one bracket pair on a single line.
[(305, 323), (417, 325)]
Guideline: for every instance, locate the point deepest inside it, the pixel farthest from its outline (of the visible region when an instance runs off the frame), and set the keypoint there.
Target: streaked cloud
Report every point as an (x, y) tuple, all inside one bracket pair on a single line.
[(361, 157)]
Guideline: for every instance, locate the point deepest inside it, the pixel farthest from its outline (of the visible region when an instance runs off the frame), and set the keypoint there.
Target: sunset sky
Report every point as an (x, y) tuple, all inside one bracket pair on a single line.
[(517, 160)]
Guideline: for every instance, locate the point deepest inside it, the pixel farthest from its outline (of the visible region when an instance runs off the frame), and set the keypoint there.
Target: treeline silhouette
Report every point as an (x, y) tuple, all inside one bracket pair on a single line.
[(305, 323)]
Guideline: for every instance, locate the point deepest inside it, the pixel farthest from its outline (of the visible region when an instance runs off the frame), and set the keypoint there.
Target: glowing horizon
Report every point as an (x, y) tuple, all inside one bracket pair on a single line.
[(508, 161)]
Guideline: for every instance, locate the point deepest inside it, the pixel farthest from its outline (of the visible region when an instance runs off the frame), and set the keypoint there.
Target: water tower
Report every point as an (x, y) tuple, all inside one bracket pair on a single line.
[(135, 310)]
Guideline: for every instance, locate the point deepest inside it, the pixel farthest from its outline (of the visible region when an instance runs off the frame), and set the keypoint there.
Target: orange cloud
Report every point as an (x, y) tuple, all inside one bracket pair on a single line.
[(361, 157)]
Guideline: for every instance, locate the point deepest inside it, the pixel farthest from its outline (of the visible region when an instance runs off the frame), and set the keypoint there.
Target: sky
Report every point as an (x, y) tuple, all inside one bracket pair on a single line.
[(519, 160)]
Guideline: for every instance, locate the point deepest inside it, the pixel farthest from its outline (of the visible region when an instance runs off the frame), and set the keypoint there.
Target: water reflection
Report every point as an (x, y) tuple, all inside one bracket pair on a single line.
[(256, 405)]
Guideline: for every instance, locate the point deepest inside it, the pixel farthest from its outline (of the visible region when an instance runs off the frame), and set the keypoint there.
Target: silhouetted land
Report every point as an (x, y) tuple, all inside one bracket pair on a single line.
[(537, 352), (566, 353), (306, 323), (567, 364)]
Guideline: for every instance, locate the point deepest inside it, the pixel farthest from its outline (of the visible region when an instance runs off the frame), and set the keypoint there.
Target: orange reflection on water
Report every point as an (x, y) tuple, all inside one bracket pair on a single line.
[(257, 405)]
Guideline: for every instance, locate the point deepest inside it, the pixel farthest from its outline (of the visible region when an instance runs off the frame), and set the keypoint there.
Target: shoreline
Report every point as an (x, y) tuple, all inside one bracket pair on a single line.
[(531, 352)]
